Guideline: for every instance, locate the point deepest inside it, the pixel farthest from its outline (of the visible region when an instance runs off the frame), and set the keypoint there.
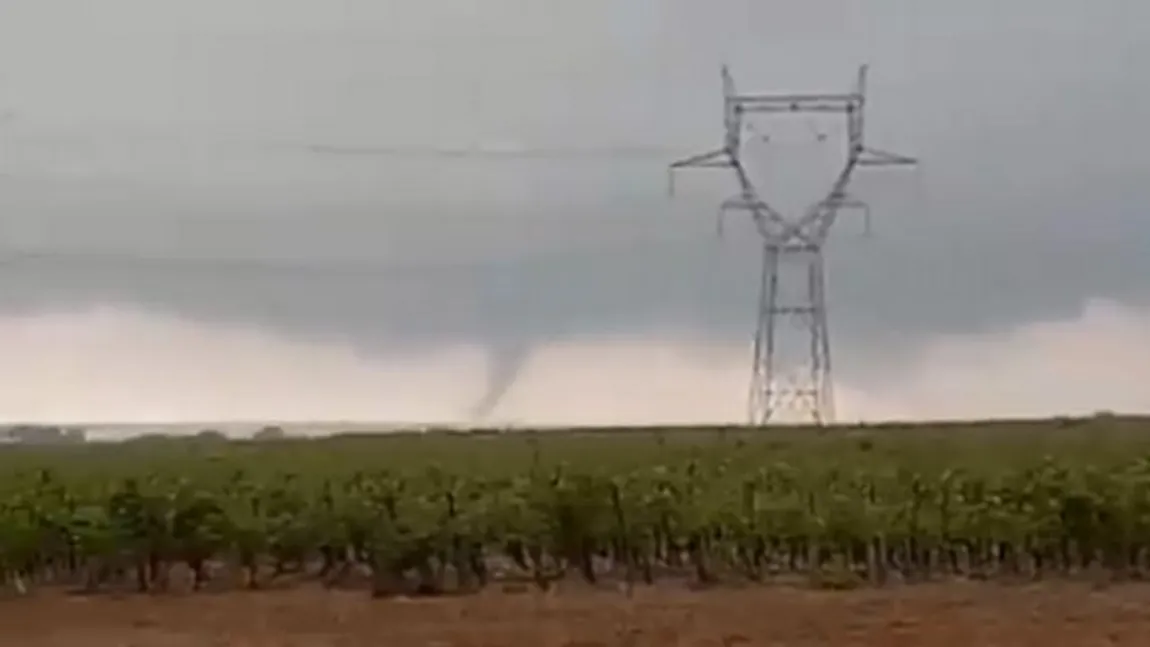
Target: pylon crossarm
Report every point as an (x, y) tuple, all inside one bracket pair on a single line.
[(764, 216), (719, 158), (762, 212), (849, 203), (821, 225), (772, 105), (875, 157), (817, 213)]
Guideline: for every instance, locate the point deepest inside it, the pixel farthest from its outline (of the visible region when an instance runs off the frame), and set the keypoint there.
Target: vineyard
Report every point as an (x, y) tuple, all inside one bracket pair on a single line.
[(451, 513)]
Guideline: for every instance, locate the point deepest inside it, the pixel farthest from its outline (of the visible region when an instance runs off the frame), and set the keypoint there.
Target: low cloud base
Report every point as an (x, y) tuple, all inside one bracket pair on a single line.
[(133, 366)]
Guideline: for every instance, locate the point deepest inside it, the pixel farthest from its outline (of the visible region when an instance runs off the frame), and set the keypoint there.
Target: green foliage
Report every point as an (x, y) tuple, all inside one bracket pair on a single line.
[(437, 513)]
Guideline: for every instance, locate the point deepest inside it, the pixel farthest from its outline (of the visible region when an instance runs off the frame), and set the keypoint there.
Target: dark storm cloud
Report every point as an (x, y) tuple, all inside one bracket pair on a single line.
[(160, 155)]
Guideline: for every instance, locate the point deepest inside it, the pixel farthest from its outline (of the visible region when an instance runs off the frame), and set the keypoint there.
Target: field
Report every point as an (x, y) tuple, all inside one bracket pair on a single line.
[(1007, 532)]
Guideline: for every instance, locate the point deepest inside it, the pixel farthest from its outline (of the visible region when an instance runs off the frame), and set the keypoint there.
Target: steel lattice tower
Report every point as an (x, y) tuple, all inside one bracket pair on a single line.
[(792, 281)]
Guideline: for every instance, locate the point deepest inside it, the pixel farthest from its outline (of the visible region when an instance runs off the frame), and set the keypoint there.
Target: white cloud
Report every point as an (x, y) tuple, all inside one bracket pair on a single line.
[(133, 366)]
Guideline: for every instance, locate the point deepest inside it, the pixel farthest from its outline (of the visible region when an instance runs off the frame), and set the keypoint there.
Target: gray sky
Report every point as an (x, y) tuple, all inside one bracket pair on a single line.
[(162, 147)]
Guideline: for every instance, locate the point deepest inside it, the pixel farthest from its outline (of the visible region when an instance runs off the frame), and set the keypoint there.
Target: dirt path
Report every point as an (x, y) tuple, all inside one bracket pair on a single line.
[(958, 615)]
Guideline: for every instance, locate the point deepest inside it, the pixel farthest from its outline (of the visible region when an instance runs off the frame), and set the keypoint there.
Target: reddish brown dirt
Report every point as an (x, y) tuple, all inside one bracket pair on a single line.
[(966, 615)]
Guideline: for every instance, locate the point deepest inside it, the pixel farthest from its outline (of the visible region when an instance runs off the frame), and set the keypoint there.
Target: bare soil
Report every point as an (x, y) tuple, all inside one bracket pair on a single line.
[(945, 615)]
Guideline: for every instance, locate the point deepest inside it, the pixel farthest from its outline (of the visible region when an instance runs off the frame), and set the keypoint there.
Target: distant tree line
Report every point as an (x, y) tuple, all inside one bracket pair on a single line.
[(43, 435)]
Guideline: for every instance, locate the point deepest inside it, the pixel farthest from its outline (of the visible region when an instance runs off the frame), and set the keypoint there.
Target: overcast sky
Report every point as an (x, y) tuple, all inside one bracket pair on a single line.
[(157, 155)]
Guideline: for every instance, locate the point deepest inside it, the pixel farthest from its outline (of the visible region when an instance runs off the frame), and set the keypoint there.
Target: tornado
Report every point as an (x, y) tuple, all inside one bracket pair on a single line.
[(506, 360)]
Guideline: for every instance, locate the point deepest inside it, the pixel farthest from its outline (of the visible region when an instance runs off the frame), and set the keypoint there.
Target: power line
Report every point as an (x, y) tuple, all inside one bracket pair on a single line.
[(495, 153), (490, 151), (14, 259), (89, 260)]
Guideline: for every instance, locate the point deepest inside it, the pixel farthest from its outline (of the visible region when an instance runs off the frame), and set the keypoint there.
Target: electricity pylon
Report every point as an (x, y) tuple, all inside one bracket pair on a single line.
[(793, 274)]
